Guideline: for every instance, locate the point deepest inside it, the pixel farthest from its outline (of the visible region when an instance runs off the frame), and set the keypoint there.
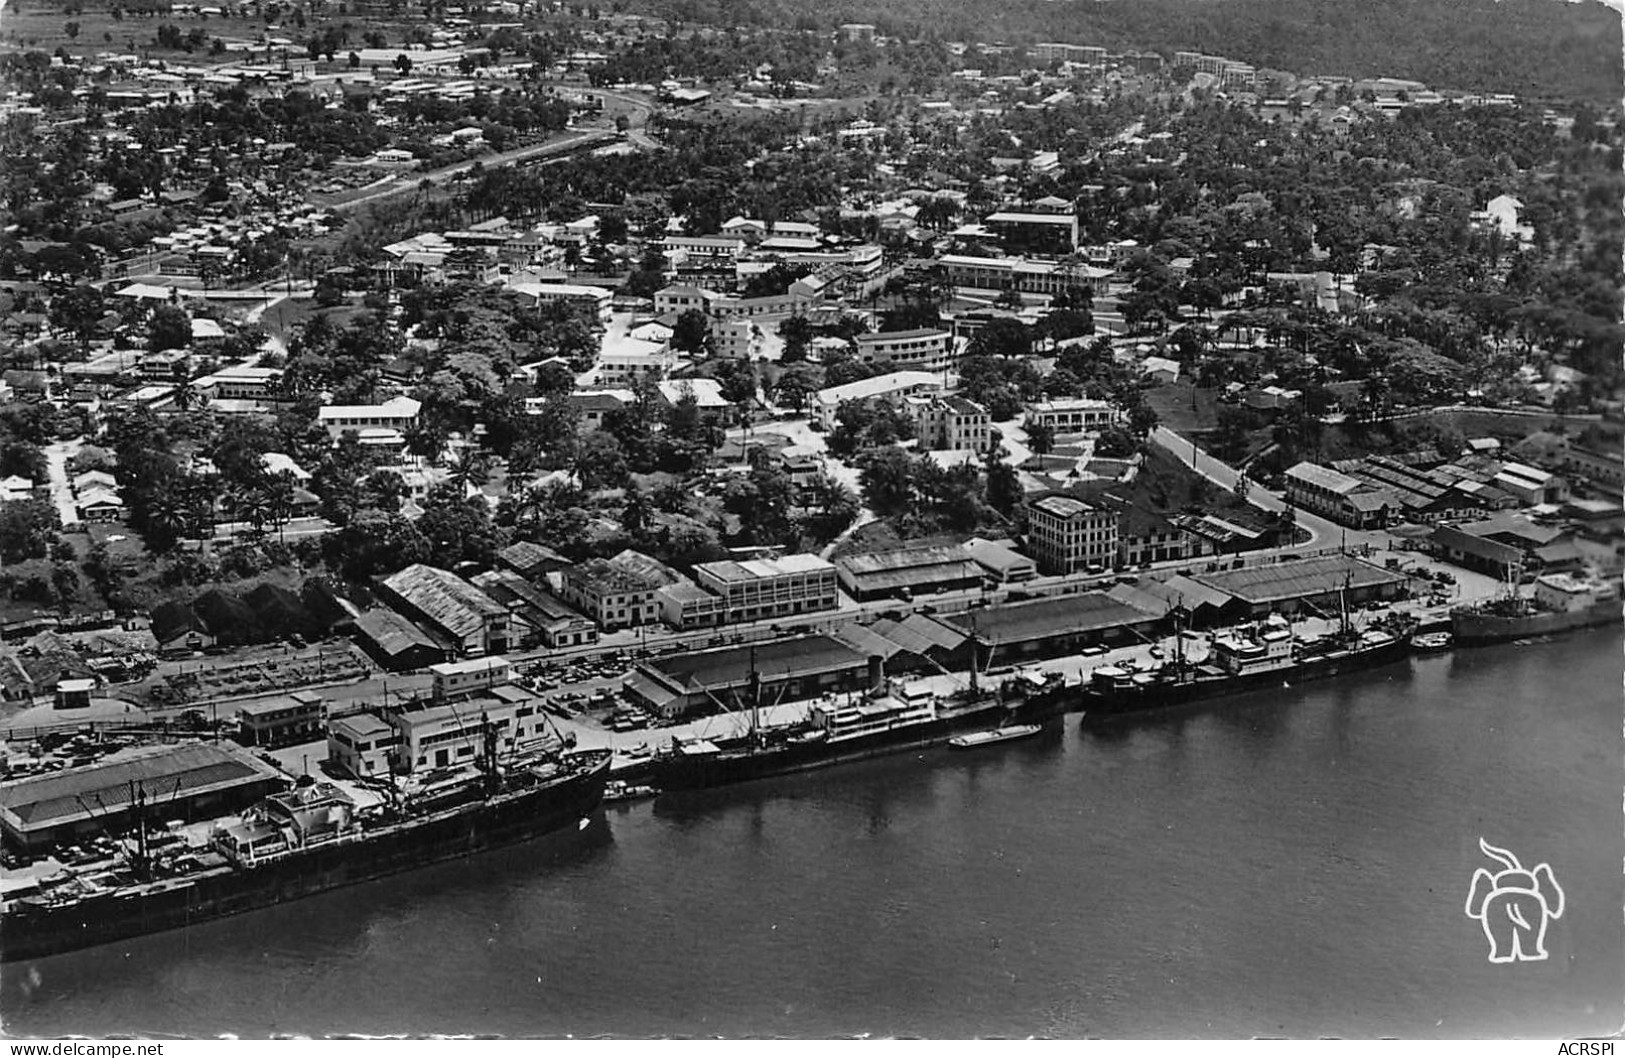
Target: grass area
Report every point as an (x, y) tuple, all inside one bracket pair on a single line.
[(283, 319), (1184, 408)]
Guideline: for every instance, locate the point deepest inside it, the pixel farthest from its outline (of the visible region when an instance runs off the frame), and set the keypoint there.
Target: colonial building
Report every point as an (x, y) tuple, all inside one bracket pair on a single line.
[(611, 596), (954, 424), (924, 349), (1065, 534), (1344, 499)]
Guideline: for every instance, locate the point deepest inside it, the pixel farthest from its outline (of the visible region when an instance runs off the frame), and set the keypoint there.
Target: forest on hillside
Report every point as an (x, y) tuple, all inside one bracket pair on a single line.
[(1536, 48)]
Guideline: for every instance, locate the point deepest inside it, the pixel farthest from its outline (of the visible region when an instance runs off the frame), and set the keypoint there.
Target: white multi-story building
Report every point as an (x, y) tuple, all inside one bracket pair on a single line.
[(925, 349), (1020, 274), (595, 300), (953, 423), (453, 678), (892, 388), (770, 587), (1065, 534), (1078, 415), (397, 413)]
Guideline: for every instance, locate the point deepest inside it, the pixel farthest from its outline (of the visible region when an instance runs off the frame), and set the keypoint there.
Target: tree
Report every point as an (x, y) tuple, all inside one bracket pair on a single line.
[(458, 529), (375, 543), (888, 480), (1003, 492), (1040, 437), (796, 383), (354, 61), (27, 529), (71, 29), (797, 335), (403, 64), (169, 328), (831, 508), (689, 333), (600, 461)]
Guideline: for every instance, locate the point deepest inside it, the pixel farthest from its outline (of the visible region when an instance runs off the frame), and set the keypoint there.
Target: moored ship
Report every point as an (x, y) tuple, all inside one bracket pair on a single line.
[(1560, 602), (295, 844), (1260, 655), (888, 719)]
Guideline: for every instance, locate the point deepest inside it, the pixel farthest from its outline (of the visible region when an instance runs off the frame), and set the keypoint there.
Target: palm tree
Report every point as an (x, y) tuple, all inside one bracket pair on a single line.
[(471, 467)]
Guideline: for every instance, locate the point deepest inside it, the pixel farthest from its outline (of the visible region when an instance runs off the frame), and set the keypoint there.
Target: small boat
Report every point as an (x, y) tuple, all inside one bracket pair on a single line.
[(997, 734), (616, 790), (1432, 642)]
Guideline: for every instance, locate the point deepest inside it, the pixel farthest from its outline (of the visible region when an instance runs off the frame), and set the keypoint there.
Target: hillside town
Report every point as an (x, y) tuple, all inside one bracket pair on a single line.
[(607, 381)]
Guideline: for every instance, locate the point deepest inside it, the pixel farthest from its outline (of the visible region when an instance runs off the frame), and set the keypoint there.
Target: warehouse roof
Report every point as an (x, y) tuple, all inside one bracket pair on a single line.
[(527, 557), (392, 633), (910, 568), (775, 660), (445, 598), (1298, 580), (161, 774), (1041, 618)]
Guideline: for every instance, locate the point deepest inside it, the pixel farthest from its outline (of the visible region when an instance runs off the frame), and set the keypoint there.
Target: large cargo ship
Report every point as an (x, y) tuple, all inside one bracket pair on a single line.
[(1263, 655), (298, 843), (888, 719), (1560, 602)]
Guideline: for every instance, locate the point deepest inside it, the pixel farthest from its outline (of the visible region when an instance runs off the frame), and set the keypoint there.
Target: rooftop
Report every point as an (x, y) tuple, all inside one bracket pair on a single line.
[(393, 633), (1041, 618), (160, 774), (1296, 580), (774, 660), (445, 598)]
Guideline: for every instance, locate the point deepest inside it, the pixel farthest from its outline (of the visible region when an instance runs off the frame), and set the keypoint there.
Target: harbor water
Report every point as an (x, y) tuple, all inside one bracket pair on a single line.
[(1291, 862)]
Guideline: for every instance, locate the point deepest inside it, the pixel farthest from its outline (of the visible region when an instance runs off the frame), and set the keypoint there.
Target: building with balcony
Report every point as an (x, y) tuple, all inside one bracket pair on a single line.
[(1078, 415), (925, 349), (1344, 499)]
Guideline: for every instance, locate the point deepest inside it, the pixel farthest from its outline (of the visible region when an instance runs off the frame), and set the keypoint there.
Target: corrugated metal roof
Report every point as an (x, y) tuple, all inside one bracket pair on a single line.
[(160, 775), (393, 633), (1042, 618), (1297, 580), (445, 598)]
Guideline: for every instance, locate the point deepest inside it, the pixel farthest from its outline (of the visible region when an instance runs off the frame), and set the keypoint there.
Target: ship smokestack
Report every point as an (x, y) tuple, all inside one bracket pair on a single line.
[(877, 673)]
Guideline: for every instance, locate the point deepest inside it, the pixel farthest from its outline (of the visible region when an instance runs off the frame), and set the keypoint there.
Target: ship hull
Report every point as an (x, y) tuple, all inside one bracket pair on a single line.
[(698, 771), (31, 931), (1471, 627), (1102, 703)]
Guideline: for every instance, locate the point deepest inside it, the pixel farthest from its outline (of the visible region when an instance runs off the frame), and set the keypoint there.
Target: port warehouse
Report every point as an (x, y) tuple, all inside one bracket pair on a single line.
[(888, 573), (789, 669), (1319, 585), (190, 781), (810, 666)]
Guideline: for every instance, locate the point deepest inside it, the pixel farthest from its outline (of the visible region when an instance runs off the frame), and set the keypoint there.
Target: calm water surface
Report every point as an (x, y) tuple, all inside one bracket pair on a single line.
[(1286, 863)]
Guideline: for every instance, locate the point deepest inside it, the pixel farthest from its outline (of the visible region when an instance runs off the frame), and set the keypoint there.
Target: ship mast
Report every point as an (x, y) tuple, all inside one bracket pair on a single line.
[(753, 688)]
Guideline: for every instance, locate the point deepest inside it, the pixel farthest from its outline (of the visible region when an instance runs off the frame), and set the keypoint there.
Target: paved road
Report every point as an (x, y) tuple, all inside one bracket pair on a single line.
[(440, 176), (637, 115), (57, 454), (1322, 531)]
